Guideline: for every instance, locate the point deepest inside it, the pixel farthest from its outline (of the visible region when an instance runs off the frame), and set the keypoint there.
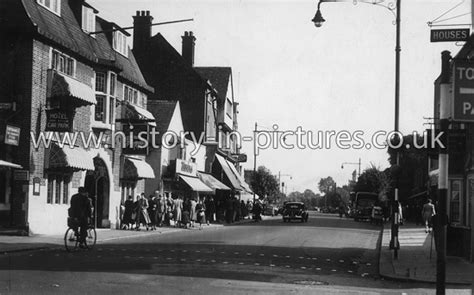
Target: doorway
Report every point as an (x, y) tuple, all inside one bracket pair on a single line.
[(97, 185)]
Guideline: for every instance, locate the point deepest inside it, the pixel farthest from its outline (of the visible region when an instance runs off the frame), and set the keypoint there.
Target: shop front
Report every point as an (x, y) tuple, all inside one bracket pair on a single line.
[(6, 198), (135, 171), (187, 182)]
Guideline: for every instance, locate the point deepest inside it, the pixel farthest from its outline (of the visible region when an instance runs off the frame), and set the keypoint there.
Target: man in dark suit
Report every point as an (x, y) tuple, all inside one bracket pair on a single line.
[(81, 210)]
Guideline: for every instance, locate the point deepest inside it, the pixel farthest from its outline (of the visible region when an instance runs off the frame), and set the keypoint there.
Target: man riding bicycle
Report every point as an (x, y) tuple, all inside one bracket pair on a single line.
[(81, 211)]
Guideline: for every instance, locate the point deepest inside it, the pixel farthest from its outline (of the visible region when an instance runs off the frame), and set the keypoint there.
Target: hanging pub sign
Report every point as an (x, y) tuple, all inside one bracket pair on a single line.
[(12, 135), (59, 120), (449, 35), (136, 139)]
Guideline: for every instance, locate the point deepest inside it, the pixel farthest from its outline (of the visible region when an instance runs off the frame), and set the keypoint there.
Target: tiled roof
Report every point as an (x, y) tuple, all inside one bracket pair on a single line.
[(164, 69), (160, 60), (163, 111), (65, 31), (219, 78)]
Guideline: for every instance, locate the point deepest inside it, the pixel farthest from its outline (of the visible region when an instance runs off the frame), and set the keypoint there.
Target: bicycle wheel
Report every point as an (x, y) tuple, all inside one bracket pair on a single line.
[(70, 240), (91, 238)]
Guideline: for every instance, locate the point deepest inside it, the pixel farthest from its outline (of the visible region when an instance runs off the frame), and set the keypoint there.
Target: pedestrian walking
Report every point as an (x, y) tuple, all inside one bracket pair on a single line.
[(127, 219), (142, 212), (153, 210), (186, 212), (236, 209), (200, 211), (427, 213), (243, 210), (169, 210), (257, 210), (178, 209), (249, 208), (210, 209), (161, 209), (229, 209), (192, 212)]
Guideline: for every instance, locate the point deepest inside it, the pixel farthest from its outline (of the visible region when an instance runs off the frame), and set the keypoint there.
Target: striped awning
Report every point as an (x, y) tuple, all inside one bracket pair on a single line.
[(228, 172), (196, 184), (72, 157), (144, 114), (211, 182), (136, 168), (63, 85), (9, 165)]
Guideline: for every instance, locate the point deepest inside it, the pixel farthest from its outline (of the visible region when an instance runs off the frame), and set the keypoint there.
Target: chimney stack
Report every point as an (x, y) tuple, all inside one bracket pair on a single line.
[(188, 48), (141, 29)]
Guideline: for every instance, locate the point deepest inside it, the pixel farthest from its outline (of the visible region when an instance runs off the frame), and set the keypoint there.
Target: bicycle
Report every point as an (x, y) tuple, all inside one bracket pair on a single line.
[(72, 236)]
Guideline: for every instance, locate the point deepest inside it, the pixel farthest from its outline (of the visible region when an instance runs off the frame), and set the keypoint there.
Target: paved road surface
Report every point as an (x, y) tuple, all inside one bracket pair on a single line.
[(327, 255)]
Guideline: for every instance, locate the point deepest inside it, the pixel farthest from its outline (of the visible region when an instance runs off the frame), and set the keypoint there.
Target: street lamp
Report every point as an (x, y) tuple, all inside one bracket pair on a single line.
[(351, 163), (318, 19), (394, 8)]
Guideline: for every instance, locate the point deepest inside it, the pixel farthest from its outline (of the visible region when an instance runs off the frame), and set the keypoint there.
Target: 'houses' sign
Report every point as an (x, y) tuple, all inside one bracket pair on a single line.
[(449, 35)]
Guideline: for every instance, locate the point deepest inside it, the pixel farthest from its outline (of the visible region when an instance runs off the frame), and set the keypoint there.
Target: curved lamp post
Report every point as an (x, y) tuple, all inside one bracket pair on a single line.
[(394, 8), (352, 163)]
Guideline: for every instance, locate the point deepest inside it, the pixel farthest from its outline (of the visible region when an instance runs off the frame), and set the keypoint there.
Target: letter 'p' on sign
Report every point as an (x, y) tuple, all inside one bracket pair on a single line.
[(463, 91)]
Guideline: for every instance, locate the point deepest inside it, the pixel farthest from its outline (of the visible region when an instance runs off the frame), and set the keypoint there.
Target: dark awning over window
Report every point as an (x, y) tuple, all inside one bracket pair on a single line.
[(62, 85)]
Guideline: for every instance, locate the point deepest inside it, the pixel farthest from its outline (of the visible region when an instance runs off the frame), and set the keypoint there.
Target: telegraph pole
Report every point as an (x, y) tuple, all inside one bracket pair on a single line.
[(441, 216), (254, 157)]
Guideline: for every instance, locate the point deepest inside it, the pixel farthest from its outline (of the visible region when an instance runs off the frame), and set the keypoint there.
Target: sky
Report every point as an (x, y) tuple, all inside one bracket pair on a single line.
[(339, 77)]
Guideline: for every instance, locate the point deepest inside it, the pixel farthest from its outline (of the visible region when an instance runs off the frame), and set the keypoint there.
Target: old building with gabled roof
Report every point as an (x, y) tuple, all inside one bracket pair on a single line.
[(67, 72)]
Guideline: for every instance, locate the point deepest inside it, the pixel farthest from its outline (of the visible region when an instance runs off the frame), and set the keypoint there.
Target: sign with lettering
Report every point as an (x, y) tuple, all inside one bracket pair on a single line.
[(463, 88), (12, 135), (59, 120), (8, 106), (449, 35), (186, 168), (21, 175), (241, 158)]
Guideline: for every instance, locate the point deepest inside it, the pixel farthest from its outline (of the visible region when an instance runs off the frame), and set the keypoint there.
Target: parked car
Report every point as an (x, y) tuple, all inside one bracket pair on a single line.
[(270, 210), (295, 210)]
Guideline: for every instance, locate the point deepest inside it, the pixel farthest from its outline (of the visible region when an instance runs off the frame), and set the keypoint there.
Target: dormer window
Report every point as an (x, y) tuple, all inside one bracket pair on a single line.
[(52, 5), (88, 20), (63, 63), (120, 43)]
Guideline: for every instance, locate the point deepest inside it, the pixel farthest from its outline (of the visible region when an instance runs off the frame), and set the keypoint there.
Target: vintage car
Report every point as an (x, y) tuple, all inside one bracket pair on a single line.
[(270, 210), (295, 210)]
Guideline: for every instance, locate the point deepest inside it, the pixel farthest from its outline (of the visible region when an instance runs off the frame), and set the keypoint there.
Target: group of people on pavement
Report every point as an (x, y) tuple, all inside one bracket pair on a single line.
[(158, 210)]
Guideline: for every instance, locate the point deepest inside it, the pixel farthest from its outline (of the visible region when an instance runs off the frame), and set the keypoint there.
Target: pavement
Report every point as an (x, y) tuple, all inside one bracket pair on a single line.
[(417, 258), (9, 243)]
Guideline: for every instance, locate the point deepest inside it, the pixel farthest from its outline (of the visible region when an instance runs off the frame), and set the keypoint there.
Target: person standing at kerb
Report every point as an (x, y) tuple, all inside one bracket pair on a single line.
[(427, 213)]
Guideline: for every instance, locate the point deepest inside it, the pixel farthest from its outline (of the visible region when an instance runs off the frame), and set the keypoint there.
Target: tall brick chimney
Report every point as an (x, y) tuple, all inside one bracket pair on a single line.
[(188, 48), (141, 29)]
